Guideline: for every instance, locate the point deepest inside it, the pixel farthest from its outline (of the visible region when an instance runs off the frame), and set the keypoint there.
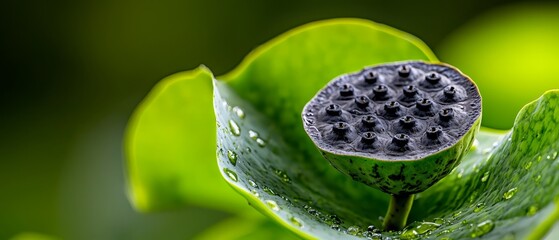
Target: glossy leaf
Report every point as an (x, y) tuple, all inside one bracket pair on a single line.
[(171, 136), (281, 173), (171, 148), (275, 160), (237, 228)]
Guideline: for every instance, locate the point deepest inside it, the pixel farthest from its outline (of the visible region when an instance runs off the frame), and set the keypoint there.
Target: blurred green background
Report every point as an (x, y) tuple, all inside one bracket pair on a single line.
[(73, 71)]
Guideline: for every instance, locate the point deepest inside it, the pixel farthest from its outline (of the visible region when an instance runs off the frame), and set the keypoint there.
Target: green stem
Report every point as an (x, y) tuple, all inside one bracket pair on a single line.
[(398, 211)]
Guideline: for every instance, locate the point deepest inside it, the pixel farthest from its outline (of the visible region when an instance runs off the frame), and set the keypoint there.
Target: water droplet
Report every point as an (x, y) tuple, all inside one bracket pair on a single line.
[(409, 234), (532, 210), (375, 236), (268, 190), (474, 145), (510, 193), (353, 230), (528, 165), (272, 204), (425, 227), (255, 193), (438, 221), (297, 222), (460, 172), (249, 149), (537, 178), (240, 113), (252, 184), (283, 176), (479, 207), (456, 214), (539, 158), (335, 227), (482, 228), (252, 134), (260, 142), (554, 155), (232, 157), (473, 196), (231, 174), (485, 177), (235, 129)]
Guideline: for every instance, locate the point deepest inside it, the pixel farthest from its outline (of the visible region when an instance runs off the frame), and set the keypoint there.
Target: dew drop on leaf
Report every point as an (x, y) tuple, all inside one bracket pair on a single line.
[(438, 221), (240, 113), (482, 228), (537, 178), (528, 165), (485, 177), (456, 214), (231, 174), (252, 184), (272, 204), (268, 190), (260, 142), (255, 193), (460, 172), (232, 156), (479, 207), (283, 176), (297, 222), (510, 193), (409, 234), (252, 134), (353, 230), (554, 155), (234, 127), (425, 227)]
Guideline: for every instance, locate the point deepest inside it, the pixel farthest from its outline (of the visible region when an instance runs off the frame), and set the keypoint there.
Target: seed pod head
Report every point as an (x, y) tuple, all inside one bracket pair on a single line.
[(399, 127)]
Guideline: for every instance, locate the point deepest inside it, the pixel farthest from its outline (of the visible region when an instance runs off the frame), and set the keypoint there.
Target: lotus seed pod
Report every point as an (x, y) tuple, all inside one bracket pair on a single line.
[(399, 127)]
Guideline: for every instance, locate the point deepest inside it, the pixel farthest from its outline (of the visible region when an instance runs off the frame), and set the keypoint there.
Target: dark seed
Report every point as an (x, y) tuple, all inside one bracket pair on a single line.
[(368, 137), (371, 77), (410, 91), (362, 101), (446, 114), (434, 132), (340, 128), (392, 107), (424, 104), (433, 78), (449, 92), (369, 121), (407, 121), (400, 140), (380, 92), (346, 90), (334, 110), (404, 71)]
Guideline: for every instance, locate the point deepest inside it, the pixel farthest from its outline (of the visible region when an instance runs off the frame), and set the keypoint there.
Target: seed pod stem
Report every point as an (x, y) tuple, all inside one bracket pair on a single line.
[(398, 211)]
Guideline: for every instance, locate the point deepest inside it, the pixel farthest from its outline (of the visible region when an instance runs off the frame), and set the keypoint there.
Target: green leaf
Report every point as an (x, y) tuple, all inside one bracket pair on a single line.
[(170, 142), (170, 148), (274, 164), (510, 51), (246, 229), (503, 188)]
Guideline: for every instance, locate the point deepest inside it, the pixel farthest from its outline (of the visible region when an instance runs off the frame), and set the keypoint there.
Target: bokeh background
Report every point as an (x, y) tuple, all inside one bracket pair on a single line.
[(73, 71)]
